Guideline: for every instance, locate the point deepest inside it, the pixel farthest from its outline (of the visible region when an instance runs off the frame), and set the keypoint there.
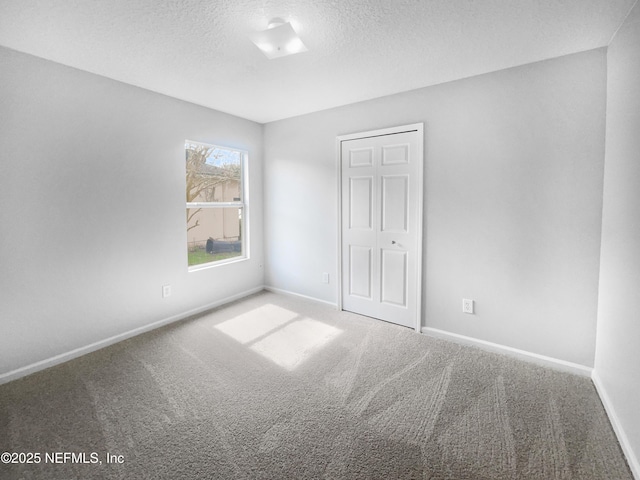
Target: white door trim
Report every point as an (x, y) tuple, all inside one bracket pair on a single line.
[(414, 127)]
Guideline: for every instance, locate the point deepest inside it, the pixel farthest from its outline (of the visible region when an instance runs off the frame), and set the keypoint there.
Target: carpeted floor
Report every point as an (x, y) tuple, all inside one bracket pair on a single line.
[(276, 387)]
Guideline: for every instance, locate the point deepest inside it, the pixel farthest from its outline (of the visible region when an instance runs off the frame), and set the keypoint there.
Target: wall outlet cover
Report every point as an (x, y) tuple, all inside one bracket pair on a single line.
[(467, 305)]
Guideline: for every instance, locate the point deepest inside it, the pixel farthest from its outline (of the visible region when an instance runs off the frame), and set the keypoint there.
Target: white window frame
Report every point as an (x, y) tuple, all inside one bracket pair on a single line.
[(243, 205)]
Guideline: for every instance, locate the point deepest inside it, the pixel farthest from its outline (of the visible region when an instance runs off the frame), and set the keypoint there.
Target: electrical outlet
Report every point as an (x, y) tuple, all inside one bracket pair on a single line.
[(325, 277), (467, 305), (166, 291)]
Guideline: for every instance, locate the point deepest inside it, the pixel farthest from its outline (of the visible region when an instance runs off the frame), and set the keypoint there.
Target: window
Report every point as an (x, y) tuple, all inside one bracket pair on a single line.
[(216, 204)]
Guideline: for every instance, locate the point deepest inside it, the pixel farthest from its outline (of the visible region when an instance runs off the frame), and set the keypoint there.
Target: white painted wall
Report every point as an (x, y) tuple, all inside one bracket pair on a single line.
[(513, 200), (617, 365), (92, 208)]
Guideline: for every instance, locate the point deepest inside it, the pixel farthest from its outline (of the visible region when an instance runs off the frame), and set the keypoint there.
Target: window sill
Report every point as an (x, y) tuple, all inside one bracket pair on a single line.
[(205, 266)]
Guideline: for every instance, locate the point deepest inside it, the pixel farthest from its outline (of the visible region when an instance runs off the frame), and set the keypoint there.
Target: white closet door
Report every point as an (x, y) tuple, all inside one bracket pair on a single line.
[(381, 237)]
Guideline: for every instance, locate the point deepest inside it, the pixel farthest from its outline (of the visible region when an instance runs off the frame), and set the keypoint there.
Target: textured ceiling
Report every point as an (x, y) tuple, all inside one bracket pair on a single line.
[(199, 50)]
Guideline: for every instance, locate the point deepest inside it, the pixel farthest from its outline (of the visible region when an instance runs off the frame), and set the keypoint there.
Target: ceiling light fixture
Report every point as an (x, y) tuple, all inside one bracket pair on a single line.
[(278, 40)]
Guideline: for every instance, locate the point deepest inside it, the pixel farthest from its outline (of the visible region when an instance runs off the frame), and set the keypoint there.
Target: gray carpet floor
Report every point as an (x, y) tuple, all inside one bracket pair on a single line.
[(276, 387)]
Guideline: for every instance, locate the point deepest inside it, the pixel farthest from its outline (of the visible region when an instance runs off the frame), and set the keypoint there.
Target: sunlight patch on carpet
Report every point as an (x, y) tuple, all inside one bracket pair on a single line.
[(291, 345), (279, 334), (256, 323)]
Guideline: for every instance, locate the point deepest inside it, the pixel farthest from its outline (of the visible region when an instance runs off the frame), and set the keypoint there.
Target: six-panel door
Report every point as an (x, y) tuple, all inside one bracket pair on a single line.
[(380, 234)]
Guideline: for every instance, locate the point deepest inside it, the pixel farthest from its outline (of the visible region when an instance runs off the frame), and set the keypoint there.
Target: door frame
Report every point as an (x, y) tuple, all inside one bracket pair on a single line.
[(414, 127)]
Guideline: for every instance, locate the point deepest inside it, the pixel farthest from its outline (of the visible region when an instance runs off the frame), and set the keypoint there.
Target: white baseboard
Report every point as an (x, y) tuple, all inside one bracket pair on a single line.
[(287, 292), (542, 360), (632, 459), (78, 352)]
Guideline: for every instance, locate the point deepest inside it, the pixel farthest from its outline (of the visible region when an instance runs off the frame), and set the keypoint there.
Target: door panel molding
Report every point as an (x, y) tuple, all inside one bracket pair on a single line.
[(361, 201), (394, 293), (395, 210), (362, 157), (395, 154), (360, 259)]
